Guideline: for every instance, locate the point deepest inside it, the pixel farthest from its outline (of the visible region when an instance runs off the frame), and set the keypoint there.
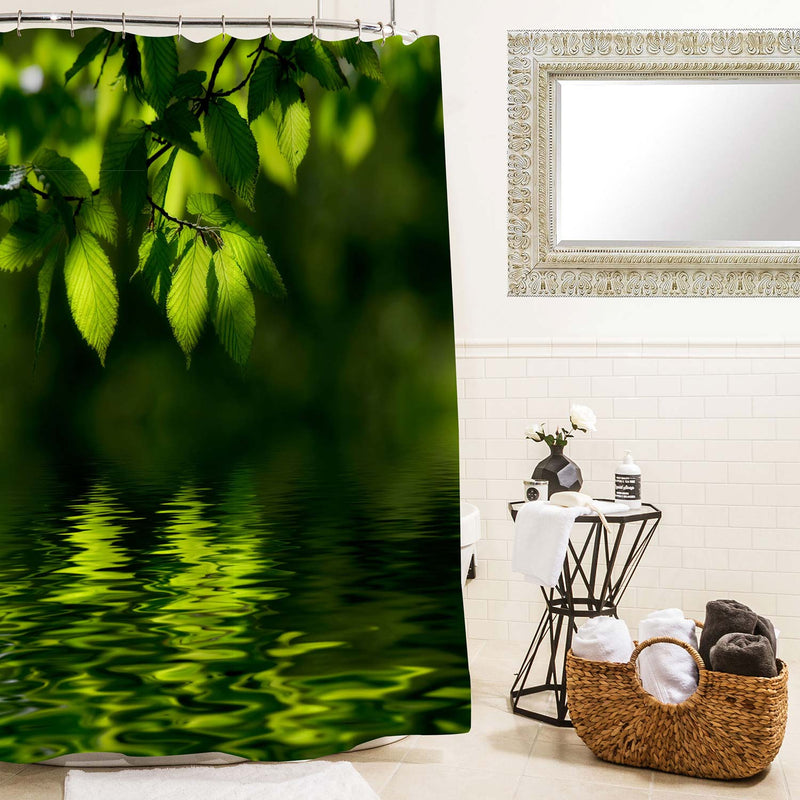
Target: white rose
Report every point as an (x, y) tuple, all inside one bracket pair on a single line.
[(535, 432), (583, 418)]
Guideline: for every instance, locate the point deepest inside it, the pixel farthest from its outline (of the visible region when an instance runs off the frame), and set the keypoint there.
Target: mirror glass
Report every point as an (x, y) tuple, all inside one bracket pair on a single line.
[(684, 162)]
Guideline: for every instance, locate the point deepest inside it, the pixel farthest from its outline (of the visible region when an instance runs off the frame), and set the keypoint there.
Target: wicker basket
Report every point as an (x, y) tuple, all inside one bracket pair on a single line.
[(731, 727)]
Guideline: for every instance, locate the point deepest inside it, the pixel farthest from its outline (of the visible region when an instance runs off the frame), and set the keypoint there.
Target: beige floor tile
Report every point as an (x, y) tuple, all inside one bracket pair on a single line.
[(439, 782), (769, 785), (376, 773), (496, 670), (492, 721), (566, 789), (659, 795), (390, 752), (35, 783), (554, 760), (476, 750), (790, 763), (550, 733), (8, 770), (378, 765), (487, 693)]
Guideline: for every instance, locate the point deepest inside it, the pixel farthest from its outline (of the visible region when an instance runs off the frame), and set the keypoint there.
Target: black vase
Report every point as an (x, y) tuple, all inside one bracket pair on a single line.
[(561, 473)]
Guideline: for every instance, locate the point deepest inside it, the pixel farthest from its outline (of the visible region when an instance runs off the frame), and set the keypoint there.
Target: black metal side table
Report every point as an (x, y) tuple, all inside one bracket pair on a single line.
[(596, 573)]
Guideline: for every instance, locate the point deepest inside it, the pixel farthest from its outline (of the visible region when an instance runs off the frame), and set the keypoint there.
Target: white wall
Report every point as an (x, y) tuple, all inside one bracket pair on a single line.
[(716, 430), (474, 76)]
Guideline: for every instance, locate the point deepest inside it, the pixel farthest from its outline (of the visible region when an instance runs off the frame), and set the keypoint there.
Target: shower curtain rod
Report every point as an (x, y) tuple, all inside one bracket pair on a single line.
[(123, 22)]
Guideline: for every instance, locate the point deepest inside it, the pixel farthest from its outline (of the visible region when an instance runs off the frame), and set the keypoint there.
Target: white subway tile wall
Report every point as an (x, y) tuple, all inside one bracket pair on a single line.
[(715, 427)]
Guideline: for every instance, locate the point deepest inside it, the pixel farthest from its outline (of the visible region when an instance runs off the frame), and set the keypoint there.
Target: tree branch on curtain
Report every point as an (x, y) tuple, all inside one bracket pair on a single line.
[(195, 268)]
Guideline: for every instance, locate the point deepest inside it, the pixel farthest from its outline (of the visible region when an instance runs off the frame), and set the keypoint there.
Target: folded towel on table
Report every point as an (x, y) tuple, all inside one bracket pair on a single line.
[(610, 507), (541, 538), (724, 616), (603, 639), (744, 654), (667, 671)]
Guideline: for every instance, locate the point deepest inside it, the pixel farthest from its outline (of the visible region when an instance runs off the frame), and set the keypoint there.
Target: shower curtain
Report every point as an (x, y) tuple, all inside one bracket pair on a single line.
[(228, 435)]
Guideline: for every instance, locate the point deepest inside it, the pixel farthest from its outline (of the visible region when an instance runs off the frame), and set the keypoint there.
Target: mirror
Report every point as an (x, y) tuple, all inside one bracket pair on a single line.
[(654, 163), (688, 163)]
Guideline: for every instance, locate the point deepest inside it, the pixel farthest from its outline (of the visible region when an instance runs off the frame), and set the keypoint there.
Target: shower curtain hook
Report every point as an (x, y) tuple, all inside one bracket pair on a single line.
[(19, 22), (72, 24), (313, 26), (180, 25), (269, 22), (358, 21), (123, 25), (223, 27), (383, 32)]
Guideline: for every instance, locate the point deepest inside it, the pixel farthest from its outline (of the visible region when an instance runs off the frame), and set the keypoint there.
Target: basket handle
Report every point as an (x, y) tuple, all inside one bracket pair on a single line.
[(698, 659)]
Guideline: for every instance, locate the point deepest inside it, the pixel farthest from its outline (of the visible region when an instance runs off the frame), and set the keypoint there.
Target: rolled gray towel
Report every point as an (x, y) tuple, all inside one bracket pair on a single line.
[(764, 627), (724, 616), (744, 654)]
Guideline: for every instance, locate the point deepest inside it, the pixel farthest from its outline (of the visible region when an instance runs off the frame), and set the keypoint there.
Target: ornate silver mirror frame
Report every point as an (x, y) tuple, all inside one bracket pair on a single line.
[(537, 265)]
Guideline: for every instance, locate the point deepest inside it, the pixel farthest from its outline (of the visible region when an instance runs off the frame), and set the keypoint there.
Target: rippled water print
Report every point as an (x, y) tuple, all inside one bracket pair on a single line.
[(224, 617), (229, 514)]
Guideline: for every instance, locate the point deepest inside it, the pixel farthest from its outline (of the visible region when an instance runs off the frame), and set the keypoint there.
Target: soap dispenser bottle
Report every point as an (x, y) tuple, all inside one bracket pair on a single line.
[(628, 482)]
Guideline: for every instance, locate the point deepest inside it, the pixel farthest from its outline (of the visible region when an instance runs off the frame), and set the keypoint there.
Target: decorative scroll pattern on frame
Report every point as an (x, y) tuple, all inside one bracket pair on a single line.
[(535, 266)]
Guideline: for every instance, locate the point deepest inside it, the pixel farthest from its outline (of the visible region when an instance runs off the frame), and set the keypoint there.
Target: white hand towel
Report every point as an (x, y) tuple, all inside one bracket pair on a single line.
[(314, 780), (667, 671), (603, 639), (541, 537)]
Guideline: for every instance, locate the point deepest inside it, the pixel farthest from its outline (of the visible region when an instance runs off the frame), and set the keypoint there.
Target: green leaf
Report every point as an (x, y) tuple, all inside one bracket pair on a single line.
[(91, 291), (189, 84), (263, 86), (159, 69), (187, 300), (233, 310), (25, 242), (89, 53), (100, 218), (131, 68), (156, 255), (214, 209), (315, 57), (253, 258), (134, 187), (293, 121), (243, 244), (61, 174), (3, 148), (177, 126), (45, 284), (363, 58), (161, 182), (118, 149), (18, 205), (233, 148)]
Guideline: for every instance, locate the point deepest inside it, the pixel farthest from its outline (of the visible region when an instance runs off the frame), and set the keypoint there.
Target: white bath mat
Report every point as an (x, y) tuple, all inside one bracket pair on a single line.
[(312, 780)]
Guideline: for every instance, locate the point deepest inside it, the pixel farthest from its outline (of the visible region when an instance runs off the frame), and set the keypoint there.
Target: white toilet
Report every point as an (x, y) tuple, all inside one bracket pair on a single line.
[(470, 533)]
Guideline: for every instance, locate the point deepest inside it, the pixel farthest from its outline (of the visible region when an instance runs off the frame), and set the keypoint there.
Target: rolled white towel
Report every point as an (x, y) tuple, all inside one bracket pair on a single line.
[(667, 671), (603, 639)]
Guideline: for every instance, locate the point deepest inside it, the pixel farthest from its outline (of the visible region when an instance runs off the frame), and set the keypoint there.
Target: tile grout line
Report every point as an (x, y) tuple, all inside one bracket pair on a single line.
[(394, 772)]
